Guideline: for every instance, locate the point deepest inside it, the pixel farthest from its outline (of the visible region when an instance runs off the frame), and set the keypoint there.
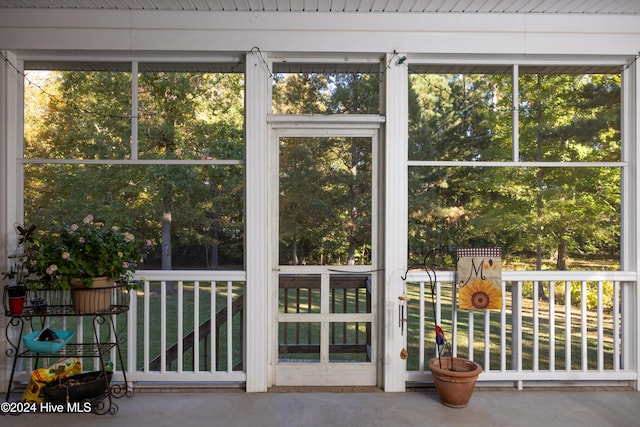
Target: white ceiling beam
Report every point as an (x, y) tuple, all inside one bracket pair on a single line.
[(319, 32)]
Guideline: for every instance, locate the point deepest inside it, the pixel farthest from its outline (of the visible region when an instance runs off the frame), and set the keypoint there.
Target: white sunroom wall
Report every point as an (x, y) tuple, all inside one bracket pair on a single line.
[(452, 38)]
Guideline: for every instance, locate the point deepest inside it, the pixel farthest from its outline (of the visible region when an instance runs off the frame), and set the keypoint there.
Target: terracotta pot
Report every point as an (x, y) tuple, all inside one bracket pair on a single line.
[(93, 299), (455, 386)]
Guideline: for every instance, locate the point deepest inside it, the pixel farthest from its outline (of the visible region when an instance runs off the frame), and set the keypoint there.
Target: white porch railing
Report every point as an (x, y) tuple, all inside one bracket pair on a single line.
[(183, 326), (535, 337), (187, 326)]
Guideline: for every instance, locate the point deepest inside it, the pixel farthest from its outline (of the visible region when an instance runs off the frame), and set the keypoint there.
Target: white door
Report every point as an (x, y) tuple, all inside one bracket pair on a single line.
[(325, 257)]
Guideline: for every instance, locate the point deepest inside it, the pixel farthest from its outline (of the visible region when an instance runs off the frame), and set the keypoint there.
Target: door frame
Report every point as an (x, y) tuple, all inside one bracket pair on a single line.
[(326, 126)]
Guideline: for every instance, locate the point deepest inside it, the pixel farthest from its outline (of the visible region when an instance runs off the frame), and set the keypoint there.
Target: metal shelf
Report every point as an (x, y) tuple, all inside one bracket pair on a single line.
[(57, 302), (74, 350), (43, 303)]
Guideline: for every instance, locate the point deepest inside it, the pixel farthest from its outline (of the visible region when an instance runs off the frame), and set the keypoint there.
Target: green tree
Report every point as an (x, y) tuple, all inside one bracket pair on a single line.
[(183, 116), (572, 118), (456, 117), (526, 210), (325, 183)]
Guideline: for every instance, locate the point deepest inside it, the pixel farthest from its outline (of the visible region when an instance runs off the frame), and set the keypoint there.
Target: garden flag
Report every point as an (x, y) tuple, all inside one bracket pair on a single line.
[(479, 278)]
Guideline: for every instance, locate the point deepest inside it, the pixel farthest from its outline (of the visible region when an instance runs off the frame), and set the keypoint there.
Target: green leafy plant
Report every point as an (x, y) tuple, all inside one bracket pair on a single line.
[(82, 251)]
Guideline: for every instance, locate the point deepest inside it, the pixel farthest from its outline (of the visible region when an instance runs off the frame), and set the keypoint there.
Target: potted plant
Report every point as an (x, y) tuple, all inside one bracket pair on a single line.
[(85, 255), (455, 378)]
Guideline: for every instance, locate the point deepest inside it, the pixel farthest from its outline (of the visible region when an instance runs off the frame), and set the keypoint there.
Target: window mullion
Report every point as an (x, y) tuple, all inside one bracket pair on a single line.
[(134, 110), (515, 115)]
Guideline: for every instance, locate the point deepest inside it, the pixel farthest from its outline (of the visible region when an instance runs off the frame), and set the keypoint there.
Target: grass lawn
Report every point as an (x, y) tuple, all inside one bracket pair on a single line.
[(495, 328)]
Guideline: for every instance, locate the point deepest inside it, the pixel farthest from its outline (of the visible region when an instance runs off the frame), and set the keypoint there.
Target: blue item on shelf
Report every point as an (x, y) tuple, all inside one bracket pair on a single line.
[(47, 341)]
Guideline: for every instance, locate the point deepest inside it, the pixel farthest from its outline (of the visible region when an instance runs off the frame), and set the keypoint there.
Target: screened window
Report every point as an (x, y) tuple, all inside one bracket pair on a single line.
[(190, 115), (569, 117), (326, 88), (325, 200), (460, 116), (549, 193), (167, 162), (77, 115)]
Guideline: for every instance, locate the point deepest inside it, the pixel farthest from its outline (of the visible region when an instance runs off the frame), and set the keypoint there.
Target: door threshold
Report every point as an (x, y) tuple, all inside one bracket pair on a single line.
[(323, 389)]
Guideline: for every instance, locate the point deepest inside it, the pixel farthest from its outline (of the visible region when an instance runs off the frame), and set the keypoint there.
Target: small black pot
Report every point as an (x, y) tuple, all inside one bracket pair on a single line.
[(38, 305)]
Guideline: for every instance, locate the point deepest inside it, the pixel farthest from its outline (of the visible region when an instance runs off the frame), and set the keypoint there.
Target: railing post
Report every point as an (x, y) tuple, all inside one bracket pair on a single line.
[(132, 335), (516, 332)]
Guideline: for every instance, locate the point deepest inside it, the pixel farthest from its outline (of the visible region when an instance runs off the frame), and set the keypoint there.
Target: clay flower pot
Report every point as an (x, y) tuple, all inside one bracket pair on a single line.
[(455, 386), (94, 299)]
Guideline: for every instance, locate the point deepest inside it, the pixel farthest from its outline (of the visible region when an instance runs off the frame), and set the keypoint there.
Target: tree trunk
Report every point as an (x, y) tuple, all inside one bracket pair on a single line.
[(166, 240), (294, 252), (353, 211), (351, 259), (561, 262), (540, 284), (214, 262)]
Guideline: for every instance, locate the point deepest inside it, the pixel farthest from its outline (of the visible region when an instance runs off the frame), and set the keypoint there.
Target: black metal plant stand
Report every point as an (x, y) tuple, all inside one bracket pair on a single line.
[(43, 304)]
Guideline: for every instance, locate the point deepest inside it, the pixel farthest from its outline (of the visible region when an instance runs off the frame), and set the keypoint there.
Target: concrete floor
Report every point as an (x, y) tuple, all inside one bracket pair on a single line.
[(488, 407)]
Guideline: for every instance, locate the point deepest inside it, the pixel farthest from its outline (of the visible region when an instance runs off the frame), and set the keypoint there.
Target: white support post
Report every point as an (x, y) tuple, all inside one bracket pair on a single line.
[(3, 210), (257, 261), (395, 214), (10, 133), (11, 142), (630, 233), (631, 221)]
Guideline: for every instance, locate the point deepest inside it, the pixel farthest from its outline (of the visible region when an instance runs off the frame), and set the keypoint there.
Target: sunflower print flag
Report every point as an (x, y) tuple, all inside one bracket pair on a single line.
[(479, 278)]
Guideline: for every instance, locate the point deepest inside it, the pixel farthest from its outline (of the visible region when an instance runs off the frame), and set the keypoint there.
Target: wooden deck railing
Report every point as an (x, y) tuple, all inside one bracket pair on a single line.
[(349, 293)]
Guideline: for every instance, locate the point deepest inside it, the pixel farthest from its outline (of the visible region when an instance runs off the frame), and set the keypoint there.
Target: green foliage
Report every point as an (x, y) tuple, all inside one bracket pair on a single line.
[(535, 210), (87, 115), (330, 93), (182, 116), (325, 183), (325, 200), (83, 251)]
